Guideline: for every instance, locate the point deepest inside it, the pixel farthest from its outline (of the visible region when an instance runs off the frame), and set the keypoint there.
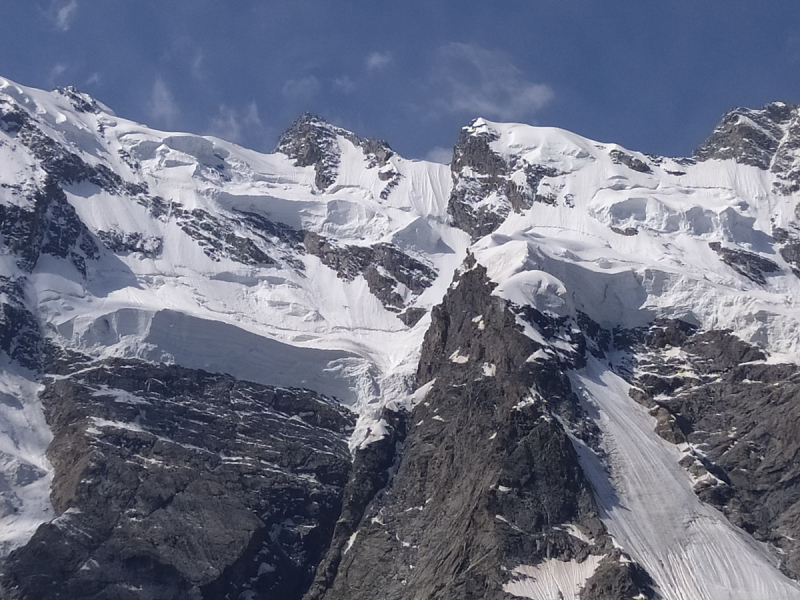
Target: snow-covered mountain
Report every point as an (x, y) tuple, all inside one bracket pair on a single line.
[(555, 366)]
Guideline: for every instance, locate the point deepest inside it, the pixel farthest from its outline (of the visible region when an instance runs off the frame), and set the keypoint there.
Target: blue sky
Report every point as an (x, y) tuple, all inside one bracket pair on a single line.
[(652, 75)]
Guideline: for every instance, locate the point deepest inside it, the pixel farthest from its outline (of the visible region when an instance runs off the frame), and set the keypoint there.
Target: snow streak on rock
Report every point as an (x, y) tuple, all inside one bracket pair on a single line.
[(154, 286)]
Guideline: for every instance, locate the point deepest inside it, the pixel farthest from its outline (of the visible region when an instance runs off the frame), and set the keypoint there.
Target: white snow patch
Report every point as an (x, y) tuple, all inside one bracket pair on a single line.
[(421, 393), (350, 541), (25, 472), (552, 579), (459, 358)]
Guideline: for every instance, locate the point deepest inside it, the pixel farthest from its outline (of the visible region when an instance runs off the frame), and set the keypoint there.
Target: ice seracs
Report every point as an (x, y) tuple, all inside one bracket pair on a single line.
[(318, 267)]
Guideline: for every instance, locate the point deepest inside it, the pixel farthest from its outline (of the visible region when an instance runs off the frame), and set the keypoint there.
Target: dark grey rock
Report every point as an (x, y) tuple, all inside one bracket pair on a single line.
[(628, 231), (752, 266), (768, 138), (749, 137), (218, 238), (384, 266), (373, 467), (20, 336), (743, 413), (311, 142), (175, 484), (789, 247), (377, 152), (48, 225), (623, 158), (484, 482), (490, 174), (411, 316), (123, 242), (618, 580), (80, 101)]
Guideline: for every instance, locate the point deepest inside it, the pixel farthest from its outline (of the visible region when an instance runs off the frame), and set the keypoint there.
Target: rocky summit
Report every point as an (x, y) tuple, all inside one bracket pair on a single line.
[(553, 369)]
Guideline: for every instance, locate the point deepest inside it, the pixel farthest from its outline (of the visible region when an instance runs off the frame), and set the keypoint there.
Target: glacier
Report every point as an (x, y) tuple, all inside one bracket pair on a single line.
[(318, 267)]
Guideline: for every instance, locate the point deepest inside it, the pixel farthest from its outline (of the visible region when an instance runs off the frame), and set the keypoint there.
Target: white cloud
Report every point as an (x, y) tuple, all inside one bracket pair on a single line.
[(378, 61), (233, 125), (469, 79), (63, 13), (197, 65), (440, 154), (55, 74), (162, 104), (94, 79), (303, 88)]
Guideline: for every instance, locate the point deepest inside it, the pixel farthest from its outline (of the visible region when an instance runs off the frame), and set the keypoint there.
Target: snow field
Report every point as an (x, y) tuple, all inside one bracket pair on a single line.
[(648, 505)]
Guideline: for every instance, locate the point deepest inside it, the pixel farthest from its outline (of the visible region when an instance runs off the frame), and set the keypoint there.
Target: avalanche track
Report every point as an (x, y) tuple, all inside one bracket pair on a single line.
[(690, 549)]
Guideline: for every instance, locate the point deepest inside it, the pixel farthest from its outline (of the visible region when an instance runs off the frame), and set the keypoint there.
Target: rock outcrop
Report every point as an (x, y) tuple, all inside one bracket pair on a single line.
[(738, 416), (485, 189), (487, 480), (174, 483)]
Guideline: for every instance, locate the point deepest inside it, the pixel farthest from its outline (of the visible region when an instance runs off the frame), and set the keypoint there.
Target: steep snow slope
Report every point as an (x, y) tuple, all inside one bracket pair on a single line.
[(128, 300), (631, 244), (625, 238), (689, 548), (204, 264), (316, 266)]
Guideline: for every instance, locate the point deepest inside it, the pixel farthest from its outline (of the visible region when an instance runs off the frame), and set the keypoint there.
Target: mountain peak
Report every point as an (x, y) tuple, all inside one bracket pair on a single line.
[(313, 142), (80, 101), (513, 348), (766, 138)]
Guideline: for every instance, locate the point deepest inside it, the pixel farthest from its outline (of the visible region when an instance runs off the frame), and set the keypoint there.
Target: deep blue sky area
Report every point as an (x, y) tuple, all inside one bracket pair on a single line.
[(653, 75)]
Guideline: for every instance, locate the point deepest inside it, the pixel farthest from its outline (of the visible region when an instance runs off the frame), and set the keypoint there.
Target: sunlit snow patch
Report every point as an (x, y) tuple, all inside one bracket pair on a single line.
[(552, 579)]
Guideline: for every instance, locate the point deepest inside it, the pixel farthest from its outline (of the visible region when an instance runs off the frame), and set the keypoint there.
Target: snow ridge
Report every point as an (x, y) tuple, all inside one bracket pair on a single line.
[(274, 268)]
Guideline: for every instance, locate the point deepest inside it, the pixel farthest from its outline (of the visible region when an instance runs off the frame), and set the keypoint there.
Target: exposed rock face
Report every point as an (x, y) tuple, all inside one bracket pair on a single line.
[(789, 247), (373, 466), (487, 480), (739, 416), (623, 158), (20, 337), (173, 483), (63, 166), (768, 138), (46, 224), (485, 191), (386, 269), (750, 265), (120, 242), (82, 102), (313, 142)]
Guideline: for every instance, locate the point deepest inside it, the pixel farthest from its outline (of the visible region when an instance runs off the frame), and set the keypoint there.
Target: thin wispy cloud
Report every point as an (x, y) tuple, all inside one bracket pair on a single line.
[(472, 80), (197, 65), (55, 75), (235, 125), (303, 88), (162, 106), (377, 61), (440, 154), (344, 85), (62, 13)]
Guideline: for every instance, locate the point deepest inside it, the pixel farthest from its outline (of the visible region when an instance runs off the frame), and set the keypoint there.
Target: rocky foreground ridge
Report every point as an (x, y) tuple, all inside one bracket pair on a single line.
[(556, 368)]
